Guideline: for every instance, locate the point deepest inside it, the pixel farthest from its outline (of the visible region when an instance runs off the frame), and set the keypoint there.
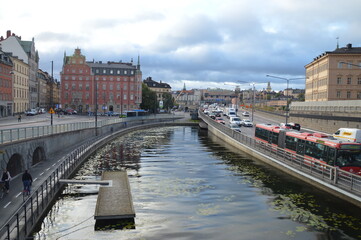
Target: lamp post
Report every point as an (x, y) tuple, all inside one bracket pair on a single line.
[(288, 80), (96, 106), (254, 96)]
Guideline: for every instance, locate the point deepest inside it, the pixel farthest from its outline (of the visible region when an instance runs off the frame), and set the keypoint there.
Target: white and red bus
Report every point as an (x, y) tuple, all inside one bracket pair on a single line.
[(315, 147)]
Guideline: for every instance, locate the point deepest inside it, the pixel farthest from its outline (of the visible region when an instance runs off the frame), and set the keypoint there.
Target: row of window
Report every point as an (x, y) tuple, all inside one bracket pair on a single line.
[(113, 71), (74, 86), (87, 78), (348, 80), (349, 94), (5, 97), (103, 96)]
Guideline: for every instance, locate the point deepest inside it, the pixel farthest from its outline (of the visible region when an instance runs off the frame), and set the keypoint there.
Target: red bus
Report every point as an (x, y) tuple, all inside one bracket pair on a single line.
[(315, 147)]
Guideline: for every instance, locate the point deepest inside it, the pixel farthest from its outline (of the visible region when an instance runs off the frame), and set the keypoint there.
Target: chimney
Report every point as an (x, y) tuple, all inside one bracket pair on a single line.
[(8, 33), (349, 46)]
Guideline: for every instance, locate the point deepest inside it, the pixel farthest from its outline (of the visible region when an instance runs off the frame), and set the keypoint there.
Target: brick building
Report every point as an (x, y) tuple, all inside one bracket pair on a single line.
[(118, 85), (6, 98)]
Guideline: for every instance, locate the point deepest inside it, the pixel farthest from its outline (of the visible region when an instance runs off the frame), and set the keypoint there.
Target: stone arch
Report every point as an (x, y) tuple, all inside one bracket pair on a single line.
[(15, 165), (38, 156), (111, 108)]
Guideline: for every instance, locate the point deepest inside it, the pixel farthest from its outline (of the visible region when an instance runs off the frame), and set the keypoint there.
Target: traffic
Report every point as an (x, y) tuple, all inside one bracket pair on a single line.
[(342, 149)]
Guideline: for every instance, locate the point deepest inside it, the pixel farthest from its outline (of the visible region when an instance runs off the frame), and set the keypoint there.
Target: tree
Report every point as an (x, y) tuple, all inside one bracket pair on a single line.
[(168, 101), (149, 99), (301, 97)]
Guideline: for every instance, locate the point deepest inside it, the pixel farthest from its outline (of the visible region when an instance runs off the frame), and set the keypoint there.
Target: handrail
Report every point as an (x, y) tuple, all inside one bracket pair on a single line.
[(18, 134), (19, 225), (342, 179)]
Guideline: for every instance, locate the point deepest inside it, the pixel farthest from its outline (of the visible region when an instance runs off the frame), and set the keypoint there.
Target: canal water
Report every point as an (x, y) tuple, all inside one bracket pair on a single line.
[(188, 185)]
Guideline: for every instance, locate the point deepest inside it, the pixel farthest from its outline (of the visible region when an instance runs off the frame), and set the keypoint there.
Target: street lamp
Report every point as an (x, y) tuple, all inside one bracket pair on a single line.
[(254, 95), (288, 80), (96, 105)]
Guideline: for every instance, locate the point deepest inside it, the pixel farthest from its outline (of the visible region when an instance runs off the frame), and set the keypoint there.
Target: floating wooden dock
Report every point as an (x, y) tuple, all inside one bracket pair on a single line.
[(72, 181), (114, 202)]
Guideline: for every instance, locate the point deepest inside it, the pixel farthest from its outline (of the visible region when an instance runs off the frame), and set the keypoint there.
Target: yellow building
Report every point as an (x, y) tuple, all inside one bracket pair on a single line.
[(329, 77), (160, 88), (20, 85)]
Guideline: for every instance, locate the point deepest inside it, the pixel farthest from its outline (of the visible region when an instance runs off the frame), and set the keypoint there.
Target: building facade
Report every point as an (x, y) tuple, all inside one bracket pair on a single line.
[(160, 88), (20, 85), (6, 85), (112, 86), (24, 50), (329, 77)]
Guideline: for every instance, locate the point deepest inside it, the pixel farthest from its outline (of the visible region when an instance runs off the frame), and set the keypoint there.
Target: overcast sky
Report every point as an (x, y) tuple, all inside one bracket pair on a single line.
[(202, 43)]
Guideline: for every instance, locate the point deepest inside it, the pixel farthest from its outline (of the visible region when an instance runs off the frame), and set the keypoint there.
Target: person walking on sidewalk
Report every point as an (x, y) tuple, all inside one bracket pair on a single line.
[(27, 182), (6, 179), (19, 118)]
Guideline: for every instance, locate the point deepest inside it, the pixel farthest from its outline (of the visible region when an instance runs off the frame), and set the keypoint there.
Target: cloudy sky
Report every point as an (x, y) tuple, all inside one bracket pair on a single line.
[(199, 43)]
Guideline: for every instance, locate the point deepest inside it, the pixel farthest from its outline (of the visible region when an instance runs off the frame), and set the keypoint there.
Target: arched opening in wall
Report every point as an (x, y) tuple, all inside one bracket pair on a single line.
[(15, 165), (111, 108), (38, 155)]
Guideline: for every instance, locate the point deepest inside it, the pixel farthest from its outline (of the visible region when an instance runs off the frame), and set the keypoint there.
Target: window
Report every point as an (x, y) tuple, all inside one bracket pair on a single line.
[(80, 78), (111, 87), (118, 71), (348, 94), (125, 71), (132, 72), (73, 86), (111, 71), (338, 94), (66, 86), (80, 86), (118, 86), (96, 70), (338, 80), (359, 80), (87, 86), (359, 95), (348, 80), (339, 65), (104, 71), (104, 87)]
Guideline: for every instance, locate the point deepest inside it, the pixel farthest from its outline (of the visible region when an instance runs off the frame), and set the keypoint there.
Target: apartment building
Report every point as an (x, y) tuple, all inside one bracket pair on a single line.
[(6, 98), (20, 85), (24, 50), (159, 87), (113, 86), (334, 75)]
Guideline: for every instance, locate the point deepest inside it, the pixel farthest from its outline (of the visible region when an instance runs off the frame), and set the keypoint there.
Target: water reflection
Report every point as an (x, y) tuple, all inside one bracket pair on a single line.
[(187, 185)]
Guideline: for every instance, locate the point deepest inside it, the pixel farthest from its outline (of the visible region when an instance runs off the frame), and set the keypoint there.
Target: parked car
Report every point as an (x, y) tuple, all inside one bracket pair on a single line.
[(70, 111), (31, 112), (235, 127), (247, 123), (220, 120)]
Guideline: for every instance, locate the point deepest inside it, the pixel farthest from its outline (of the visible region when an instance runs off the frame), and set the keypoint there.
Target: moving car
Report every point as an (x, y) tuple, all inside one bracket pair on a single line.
[(247, 123), (235, 127), (235, 120), (245, 114), (220, 120)]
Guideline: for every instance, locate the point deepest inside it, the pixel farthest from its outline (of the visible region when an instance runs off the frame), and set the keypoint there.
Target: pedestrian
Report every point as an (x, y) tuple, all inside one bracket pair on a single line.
[(19, 118), (27, 181), (6, 179)]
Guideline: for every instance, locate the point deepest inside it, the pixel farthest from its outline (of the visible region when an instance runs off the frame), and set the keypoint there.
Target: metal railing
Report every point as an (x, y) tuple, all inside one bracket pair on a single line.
[(17, 134), (19, 225), (333, 175)]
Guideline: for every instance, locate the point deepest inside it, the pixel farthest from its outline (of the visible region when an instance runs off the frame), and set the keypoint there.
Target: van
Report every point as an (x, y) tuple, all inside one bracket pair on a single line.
[(348, 134)]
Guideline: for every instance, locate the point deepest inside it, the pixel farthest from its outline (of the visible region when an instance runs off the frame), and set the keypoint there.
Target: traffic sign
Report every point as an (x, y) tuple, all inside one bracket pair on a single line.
[(51, 111)]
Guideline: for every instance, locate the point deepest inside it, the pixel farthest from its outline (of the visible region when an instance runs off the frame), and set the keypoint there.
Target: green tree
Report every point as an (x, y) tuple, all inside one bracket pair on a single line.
[(301, 97), (149, 99), (168, 101)]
